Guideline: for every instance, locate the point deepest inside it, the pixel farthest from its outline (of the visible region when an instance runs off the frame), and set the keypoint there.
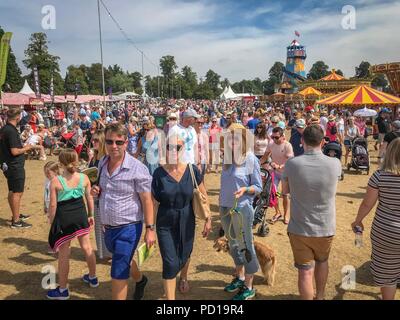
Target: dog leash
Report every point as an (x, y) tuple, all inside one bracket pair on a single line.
[(235, 210)]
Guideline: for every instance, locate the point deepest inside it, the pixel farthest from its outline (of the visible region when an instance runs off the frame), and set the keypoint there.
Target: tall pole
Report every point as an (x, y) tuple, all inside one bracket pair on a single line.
[(143, 82), (101, 56), (158, 81)]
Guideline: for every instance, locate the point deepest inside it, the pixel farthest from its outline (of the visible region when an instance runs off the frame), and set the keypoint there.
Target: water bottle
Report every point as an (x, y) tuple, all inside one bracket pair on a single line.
[(358, 242)]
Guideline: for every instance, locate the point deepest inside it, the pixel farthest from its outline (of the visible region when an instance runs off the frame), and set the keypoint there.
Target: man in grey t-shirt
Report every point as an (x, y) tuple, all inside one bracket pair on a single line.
[(311, 180)]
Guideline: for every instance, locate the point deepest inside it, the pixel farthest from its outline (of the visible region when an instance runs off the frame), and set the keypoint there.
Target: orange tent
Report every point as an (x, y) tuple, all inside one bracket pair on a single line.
[(333, 77), (310, 91)]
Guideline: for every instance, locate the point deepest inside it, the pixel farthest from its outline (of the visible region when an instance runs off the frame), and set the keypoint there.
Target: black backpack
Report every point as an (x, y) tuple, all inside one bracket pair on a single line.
[(333, 129)]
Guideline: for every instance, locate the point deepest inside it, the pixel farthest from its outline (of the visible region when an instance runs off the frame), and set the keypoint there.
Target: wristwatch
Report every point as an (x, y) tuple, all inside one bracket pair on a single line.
[(152, 227)]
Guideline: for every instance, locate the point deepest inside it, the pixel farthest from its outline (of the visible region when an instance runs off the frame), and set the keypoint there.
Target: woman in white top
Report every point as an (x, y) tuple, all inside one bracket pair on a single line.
[(261, 140), (340, 127), (350, 133)]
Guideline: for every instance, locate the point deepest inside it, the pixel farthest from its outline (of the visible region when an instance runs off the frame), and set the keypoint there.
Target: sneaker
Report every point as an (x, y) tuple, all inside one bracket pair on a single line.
[(234, 285), (24, 217), (20, 225), (56, 294), (245, 294), (93, 283), (139, 289)]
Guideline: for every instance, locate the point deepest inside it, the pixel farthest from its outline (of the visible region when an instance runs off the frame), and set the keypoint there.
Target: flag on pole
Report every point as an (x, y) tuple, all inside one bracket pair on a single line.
[(52, 89), (4, 50), (36, 81), (297, 33)]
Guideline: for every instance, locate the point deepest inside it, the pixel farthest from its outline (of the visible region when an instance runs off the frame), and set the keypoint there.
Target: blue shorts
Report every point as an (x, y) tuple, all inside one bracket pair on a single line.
[(122, 243)]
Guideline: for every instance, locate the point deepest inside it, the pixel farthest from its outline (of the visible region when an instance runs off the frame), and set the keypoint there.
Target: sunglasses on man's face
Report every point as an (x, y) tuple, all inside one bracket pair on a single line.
[(276, 137), (173, 147), (117, 142)]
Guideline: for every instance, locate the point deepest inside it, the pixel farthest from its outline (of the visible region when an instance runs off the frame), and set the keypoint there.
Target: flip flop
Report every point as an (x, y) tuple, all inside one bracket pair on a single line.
[(184, 286), (285, 221), (276, 218)]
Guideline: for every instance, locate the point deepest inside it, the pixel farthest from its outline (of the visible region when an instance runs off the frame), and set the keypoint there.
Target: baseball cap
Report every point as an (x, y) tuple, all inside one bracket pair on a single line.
[(386, 110), (300, 123), (190, 113), (282, 125), (275, 119), (396, 124)]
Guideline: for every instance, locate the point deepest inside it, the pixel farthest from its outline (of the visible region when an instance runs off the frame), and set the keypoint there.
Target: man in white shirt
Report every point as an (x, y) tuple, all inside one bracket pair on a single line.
[(188, 135), (323, 121)]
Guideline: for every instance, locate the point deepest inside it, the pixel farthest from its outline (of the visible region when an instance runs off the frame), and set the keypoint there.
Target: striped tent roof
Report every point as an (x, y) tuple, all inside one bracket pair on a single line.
[(333, 77), (361, 95), (310, 91)]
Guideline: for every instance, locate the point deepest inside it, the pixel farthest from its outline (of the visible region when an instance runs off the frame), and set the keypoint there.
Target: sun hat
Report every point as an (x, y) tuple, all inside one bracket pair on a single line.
[(173, 115), (190, 113), (275, 119), (396, 124), (300, 123)]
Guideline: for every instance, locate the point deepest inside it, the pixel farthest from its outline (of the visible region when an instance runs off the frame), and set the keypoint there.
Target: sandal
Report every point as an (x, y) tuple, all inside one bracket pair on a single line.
[(184, 286), (286, 221), (276, 218)]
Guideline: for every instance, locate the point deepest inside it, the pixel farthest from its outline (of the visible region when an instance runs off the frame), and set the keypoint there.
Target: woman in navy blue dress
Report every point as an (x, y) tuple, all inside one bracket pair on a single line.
[(172, 187)]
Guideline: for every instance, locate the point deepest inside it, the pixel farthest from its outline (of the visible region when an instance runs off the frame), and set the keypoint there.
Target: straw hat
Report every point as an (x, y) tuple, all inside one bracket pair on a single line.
[(331, 118)]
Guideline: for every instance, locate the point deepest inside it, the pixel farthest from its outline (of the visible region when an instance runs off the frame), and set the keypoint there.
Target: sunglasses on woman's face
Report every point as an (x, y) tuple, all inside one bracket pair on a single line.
[(117, 142), (95, 140), (173, 147)]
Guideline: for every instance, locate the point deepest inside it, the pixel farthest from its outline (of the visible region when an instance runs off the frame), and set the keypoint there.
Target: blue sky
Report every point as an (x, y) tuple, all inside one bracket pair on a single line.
[(237, 39)]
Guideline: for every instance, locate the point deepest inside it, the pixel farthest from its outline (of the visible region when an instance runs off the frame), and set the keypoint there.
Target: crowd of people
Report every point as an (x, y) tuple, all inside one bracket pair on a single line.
[(147, 175)]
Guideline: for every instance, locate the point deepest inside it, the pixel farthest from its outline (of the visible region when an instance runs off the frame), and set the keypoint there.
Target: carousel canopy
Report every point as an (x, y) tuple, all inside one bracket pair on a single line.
[(310, 91), (361, 95), (332, 77)]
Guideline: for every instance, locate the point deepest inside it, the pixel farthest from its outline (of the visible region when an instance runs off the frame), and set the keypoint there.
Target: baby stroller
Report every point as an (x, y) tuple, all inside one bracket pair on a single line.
[(261, 203), (66, 139), (359, 155), (334, 149)]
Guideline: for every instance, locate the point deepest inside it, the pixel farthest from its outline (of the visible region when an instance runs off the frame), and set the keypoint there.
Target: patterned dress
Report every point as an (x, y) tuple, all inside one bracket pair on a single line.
[(385, 232)]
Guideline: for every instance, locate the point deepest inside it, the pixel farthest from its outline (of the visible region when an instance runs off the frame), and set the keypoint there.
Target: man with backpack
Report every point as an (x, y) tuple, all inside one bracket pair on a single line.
[(331, 129)]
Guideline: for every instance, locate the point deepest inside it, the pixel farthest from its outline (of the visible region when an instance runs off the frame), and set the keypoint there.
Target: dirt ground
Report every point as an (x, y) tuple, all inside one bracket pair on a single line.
[(24, 252)]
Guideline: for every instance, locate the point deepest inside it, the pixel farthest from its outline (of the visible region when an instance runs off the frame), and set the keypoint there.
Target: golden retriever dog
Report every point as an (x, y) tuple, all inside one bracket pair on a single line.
[(265, 255)]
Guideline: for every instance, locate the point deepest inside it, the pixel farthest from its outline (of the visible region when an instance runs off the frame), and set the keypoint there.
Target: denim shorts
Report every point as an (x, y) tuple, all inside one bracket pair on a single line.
[(122, 243)]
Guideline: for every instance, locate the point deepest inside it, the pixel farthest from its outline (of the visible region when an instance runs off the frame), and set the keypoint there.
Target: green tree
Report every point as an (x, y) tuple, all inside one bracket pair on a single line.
[(318, 70), (136, 79), (168, 66), (204, 91), (14, 80), (213, 81), (121, 82), (94, 78), (37, 54), (225, 83), (276, 72), (187, 82), (339, 72), (73, 76), (380, 81), (362, 71)]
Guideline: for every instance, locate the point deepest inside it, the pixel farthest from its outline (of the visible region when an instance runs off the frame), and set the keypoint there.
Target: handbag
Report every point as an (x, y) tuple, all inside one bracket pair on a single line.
[(200, 204)]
